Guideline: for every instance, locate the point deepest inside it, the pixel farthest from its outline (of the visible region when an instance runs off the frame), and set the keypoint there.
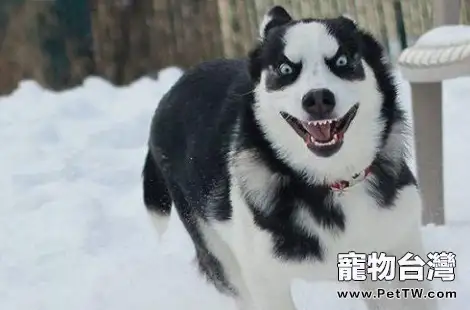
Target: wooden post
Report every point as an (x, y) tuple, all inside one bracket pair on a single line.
[(238, 28), (401, 30)]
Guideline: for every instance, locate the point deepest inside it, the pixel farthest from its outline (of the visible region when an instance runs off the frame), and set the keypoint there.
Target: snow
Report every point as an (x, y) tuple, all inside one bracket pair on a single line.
[(445, 35), (74, 233)]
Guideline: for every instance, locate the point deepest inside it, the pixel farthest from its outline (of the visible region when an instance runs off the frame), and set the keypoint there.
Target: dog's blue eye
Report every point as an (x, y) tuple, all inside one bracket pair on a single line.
[(285, 69), (342, 61)]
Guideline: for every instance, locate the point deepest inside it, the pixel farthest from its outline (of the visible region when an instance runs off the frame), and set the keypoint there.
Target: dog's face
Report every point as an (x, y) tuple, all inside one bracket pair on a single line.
[(317, 98)]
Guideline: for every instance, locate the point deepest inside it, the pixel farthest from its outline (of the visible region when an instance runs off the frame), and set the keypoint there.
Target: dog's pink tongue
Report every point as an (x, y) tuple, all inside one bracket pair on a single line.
[(320, 132)]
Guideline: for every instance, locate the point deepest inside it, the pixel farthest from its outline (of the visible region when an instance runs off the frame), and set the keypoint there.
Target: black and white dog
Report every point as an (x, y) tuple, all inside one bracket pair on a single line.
[(277, 163)]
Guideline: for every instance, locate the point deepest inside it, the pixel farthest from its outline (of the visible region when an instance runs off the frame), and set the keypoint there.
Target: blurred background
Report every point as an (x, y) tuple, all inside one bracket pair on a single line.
[(60, 42)]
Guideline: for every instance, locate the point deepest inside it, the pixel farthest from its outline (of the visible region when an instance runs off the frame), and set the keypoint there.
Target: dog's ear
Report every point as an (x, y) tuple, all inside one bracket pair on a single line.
[(349, 22), (276, 16), (348, 19)]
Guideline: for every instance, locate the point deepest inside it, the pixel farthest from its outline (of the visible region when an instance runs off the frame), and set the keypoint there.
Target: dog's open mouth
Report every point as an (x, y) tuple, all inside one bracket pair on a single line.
[(323, 136)]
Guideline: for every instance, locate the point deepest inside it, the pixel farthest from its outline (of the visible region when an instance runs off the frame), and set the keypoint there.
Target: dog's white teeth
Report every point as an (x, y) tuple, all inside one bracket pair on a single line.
[(323, 144), (322, 122), (333, 141)]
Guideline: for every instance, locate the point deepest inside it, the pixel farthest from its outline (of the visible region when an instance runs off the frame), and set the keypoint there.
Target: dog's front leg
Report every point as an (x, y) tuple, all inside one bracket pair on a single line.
[(268, 288), (400, 296)]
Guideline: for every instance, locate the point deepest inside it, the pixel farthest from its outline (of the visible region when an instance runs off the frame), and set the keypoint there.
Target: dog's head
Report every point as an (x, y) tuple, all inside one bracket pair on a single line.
[(324, 95)]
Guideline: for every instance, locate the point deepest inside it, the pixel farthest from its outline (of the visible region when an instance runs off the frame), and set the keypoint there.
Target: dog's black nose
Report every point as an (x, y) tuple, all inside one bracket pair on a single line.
[(319, 103)]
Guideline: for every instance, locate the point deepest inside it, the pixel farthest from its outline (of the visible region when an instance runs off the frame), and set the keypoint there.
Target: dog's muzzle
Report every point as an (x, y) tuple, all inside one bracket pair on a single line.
[(323, 137)]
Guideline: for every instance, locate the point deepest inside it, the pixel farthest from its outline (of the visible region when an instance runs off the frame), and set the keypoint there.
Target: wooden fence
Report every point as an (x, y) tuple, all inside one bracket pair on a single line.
[(380, 17), (60, 42)]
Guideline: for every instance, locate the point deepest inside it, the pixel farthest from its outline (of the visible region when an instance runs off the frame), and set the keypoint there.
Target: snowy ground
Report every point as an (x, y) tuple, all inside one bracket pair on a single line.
[(73, 231)]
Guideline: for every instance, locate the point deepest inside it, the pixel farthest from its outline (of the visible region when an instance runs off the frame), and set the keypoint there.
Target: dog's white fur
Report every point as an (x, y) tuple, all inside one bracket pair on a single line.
[(245, 251), (364, 131)]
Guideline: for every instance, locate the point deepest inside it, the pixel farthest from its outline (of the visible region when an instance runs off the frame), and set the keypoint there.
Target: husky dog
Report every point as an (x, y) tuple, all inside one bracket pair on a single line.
[(278, 163)]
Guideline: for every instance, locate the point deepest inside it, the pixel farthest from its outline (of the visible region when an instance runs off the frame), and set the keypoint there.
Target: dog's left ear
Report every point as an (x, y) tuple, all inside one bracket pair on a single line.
[(275, 17)]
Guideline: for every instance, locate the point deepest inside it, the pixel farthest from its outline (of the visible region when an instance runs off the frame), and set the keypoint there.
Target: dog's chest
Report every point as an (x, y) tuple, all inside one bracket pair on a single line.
[(278, 220), (367, 227), (370, 226)]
